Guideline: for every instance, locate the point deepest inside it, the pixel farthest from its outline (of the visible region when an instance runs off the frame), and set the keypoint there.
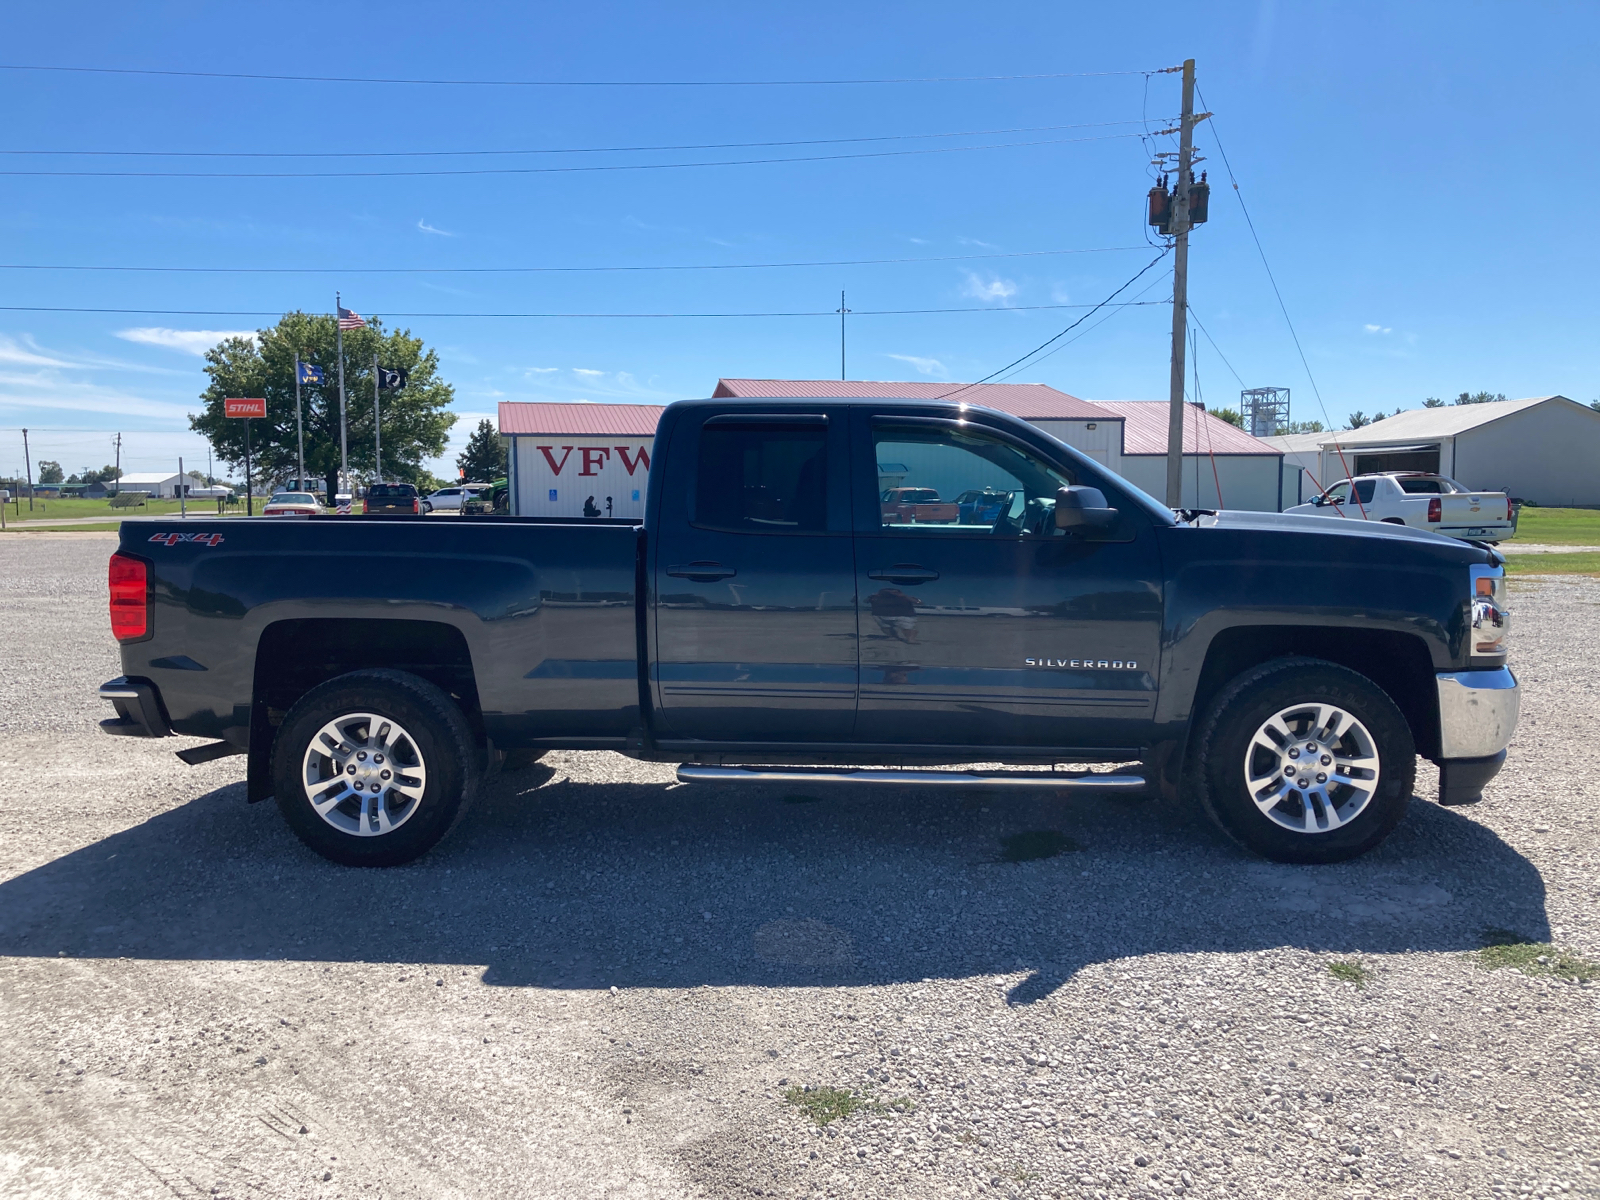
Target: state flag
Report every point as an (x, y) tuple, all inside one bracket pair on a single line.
[(310, 374)]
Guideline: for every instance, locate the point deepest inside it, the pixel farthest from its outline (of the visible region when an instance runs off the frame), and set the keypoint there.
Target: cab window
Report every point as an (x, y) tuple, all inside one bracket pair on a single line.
[(762, 477), (937, 481)]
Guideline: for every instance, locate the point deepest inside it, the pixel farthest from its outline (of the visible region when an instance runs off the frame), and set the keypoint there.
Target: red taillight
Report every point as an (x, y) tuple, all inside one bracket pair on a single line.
[(1435, 511), (130, 597), (364, 509), (416, 507)]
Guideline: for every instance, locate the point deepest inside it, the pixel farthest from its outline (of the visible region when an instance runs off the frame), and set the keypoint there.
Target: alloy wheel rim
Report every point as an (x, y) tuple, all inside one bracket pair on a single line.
[(1312, 768), (363, 774)]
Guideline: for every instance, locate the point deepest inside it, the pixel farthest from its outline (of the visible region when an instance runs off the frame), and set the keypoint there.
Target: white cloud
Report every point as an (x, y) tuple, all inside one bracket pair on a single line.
[(426, 228), (918, 241), (27, 353), (926, 366), (966, 241), (190, 341), (46, 390), (992, 289), (541, 370), (585, 371), (1059, 294), (1377, 329)]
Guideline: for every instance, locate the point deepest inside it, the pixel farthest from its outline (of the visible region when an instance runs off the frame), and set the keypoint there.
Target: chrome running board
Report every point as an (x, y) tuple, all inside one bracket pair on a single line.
[(1046, 780)]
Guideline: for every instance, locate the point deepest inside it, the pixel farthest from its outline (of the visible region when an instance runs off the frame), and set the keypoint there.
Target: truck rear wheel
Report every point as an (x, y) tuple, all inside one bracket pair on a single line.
[(372, 768), (1304, 761)]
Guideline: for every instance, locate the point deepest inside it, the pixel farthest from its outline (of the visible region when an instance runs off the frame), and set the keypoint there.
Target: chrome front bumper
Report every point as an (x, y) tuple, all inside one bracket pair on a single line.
[(1477, 712)]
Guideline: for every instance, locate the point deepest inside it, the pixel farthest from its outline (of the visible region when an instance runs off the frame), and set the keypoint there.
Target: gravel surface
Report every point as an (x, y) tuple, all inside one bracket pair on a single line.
[(605, 984)]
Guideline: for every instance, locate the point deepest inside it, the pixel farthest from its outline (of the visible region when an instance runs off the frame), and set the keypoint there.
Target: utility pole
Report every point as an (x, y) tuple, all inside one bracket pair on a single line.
[(843, 311), (299, 427), (1180, 291), (116, 483), (377, 431), (183, 490), (344, 454), (27, 465)]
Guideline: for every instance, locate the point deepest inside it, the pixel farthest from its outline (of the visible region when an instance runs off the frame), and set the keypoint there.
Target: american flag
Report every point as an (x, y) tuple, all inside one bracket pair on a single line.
[(350, 320)]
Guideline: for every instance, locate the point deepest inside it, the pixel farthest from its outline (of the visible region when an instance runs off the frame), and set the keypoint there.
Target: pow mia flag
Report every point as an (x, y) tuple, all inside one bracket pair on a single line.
[(392, 379)]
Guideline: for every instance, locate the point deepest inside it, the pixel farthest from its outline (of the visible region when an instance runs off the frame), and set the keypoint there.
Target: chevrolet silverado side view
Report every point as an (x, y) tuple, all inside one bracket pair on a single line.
[(776, 617)]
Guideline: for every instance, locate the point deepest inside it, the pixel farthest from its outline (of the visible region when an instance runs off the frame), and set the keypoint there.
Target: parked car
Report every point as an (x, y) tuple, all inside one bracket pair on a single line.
[(291, 504), (912, 505), (1420, 500), (451, 499), (1281, 675), (983, 507), (392, 499)]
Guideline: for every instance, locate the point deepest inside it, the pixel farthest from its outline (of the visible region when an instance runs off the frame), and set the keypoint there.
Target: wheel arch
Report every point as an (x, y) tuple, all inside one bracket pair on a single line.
[(295, 655), (1398, 663)]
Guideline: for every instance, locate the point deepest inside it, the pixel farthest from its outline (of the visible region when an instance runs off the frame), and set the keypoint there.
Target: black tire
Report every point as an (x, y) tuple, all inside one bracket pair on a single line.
[(433, 735), (1228, 732)]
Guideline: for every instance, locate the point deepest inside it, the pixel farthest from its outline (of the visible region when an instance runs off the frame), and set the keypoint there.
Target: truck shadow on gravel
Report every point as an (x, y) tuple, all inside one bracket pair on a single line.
[(569, 884)]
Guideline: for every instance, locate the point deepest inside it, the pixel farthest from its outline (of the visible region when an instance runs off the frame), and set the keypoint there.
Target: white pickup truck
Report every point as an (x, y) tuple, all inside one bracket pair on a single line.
[(1432, 502)]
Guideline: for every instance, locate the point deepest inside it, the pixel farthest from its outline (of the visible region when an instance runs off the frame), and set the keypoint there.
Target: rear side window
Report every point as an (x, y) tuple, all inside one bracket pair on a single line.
[(762, 477), (391, 490), (1364, 490), (1420, 487)]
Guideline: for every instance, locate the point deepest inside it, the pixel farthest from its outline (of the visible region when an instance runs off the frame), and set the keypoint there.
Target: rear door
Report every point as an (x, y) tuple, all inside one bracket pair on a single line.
[(982, 625), (754, 588)]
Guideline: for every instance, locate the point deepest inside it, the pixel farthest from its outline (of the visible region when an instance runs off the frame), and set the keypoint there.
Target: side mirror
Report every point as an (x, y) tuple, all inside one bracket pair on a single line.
[(1079, 507)]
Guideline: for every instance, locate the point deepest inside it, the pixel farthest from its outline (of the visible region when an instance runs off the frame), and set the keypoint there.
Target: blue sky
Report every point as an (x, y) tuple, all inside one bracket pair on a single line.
[(1418, 175)]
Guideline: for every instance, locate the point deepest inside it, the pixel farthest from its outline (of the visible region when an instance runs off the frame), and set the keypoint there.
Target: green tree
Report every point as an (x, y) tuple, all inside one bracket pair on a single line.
[(1479, 397), (1357, 420), (1304, 427), (415, 422), (104, 475), (50, 472), (484, 459), (1433, 402)]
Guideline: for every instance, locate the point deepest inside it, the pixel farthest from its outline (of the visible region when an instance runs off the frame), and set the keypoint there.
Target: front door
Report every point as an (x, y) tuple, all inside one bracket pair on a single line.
[(755, 607), (982, 625)]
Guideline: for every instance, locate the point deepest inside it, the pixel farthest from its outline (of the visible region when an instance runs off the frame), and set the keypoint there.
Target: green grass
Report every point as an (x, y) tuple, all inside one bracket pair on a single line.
[(1035, 844), (94, 527), (1350, 972), (1504, 948), (1581, 563), (824, 1105), (1559, 526), (74, 506)]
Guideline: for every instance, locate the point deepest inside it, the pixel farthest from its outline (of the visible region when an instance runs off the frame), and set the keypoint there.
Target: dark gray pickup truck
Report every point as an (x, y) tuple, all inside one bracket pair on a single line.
[(832, 591)]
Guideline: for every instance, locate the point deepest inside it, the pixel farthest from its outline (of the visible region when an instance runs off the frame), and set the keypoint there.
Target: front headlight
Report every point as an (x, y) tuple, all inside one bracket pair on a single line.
[(1491, 619)]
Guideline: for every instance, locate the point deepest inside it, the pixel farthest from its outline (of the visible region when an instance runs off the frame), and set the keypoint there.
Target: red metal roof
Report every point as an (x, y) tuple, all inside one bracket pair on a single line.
[(1031, 401), (1144, 430), (578, 420)]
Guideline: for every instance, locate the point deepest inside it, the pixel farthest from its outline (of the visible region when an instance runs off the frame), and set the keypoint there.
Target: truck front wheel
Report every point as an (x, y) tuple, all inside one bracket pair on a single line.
[(372, 768), (1305, 761)]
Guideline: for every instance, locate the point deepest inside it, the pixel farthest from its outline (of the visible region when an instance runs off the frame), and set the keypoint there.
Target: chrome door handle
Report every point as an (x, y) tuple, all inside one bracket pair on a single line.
[(702, 572), (903, 573)]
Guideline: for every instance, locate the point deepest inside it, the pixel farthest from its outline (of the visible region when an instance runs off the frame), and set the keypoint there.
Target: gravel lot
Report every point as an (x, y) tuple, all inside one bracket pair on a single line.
[(604, 984)]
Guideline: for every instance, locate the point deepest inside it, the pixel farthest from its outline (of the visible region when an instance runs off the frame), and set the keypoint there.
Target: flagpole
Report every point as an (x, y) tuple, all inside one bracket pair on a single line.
[(344, 453), (299, 425), (377, 431)]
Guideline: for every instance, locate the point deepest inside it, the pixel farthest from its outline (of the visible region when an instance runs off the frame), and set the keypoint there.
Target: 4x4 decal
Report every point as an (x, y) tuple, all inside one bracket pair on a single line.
[(172, 539)]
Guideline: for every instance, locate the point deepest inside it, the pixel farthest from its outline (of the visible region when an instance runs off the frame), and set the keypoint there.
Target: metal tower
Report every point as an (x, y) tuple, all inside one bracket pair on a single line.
[(1266, 410)]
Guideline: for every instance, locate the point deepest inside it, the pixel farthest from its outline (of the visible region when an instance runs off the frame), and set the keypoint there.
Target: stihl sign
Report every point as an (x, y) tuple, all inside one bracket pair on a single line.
[(245, 408)]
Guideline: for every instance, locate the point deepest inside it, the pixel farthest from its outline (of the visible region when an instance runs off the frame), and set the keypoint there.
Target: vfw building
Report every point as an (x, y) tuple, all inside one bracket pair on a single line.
[(579, 460)]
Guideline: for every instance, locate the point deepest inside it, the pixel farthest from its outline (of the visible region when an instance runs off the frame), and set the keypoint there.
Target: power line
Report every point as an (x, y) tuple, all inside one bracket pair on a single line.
[(411, 174), (1086, 331), (860, 312), (888, 137), (580, 83), (843, 262), (1096, 308), (1215, 347), (1282, 307)]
